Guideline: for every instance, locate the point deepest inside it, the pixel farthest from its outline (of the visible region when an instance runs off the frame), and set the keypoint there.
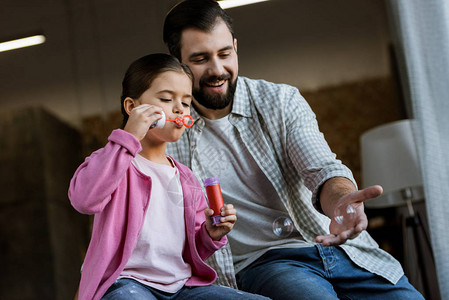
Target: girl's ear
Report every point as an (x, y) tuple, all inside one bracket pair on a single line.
[(129, 104)]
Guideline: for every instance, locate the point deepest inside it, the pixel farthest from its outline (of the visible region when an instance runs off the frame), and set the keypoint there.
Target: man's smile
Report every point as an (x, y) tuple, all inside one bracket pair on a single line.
[(217, 83)]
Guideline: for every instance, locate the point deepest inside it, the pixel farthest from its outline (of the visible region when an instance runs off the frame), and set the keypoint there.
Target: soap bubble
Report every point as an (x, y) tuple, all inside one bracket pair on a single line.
[(282, 227), (344, 215)]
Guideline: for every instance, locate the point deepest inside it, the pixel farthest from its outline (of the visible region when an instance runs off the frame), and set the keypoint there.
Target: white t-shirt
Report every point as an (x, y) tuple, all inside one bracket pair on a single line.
[(157, 259), (244, 185)]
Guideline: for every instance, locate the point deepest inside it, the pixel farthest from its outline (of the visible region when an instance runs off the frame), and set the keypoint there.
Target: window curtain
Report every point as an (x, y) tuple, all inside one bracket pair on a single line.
[(421, 37)]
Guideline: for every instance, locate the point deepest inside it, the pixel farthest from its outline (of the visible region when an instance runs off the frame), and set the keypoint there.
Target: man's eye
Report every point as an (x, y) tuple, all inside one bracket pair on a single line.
[(199, 60)]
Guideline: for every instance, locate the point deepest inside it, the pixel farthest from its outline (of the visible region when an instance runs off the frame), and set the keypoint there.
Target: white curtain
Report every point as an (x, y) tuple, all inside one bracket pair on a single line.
[(421, 37)]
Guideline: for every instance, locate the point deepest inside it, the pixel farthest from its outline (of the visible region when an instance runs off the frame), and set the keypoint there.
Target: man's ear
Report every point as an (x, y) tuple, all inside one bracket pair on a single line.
[(235, 44), (128, 104)]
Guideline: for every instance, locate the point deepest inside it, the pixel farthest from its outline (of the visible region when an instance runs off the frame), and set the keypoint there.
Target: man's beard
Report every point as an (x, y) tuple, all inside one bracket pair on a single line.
[(216, 101)]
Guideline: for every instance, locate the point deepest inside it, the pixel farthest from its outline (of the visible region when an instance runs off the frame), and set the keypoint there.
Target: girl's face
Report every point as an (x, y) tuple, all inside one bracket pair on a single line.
[(172, 91)]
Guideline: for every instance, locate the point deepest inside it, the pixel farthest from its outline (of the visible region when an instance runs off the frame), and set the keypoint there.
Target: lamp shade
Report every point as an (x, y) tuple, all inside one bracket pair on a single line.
[(389, 158)]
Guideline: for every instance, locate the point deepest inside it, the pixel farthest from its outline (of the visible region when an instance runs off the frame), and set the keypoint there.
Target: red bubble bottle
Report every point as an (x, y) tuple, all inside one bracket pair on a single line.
[(215, 197)]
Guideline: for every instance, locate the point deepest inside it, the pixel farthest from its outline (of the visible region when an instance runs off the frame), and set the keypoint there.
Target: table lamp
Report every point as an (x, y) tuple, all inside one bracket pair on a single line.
[(390, 159)]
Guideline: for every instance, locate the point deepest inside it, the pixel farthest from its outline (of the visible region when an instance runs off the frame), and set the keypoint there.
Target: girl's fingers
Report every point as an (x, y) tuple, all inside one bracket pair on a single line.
[(147, 109), (228, 209), (230, 219), (141, 107), (208, 212)]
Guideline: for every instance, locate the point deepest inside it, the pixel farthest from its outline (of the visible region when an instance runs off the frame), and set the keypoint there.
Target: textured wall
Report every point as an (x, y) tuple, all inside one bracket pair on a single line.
[(42, 238), (346, 111)]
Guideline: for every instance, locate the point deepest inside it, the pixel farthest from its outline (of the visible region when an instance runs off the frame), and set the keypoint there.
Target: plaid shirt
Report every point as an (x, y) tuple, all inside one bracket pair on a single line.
[(281, 133)]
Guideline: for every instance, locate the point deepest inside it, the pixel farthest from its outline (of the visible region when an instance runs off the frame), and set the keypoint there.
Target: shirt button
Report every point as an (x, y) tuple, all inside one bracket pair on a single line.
[(224, 251)]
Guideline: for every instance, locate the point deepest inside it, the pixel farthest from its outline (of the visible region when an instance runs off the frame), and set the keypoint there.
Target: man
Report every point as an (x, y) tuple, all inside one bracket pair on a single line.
[(262, 140)]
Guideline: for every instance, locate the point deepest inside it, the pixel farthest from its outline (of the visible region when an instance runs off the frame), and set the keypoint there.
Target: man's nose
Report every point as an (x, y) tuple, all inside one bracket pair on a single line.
[(216, 67)]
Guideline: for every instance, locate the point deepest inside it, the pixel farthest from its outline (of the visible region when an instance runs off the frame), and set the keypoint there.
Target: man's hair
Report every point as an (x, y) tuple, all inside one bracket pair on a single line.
[(198, 14), (143, 71)]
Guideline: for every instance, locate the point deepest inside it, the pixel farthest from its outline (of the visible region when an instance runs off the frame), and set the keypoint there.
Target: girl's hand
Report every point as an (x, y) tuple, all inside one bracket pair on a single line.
[(228, 218), (141, 118)]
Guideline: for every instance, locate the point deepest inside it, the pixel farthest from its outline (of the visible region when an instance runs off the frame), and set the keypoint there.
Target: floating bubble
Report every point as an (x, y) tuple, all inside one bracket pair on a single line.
[(282, 227), (344, 215)]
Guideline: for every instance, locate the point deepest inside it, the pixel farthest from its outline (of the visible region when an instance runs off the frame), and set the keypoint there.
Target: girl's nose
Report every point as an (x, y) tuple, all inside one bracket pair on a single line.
[(178, 108)]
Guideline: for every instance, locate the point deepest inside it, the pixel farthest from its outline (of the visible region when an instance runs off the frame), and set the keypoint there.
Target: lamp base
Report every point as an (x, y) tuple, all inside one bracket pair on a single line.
[(422, 249)]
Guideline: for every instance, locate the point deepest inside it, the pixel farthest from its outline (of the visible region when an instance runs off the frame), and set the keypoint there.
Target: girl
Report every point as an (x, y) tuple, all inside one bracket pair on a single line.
[(151, 231)]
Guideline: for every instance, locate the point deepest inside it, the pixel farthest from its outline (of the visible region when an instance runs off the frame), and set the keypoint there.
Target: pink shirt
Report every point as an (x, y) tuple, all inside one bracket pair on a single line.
[(109, 186)]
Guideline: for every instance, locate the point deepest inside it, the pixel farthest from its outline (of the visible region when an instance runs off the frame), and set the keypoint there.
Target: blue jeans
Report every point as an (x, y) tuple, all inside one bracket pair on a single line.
[(318, 273), (128, 289)]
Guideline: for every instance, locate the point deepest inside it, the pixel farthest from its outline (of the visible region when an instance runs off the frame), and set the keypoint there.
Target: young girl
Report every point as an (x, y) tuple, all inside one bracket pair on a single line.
[(151, 231)]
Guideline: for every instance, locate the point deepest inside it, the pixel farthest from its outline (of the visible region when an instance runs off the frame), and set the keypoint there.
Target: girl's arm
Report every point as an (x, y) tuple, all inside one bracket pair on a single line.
[(99, 175)]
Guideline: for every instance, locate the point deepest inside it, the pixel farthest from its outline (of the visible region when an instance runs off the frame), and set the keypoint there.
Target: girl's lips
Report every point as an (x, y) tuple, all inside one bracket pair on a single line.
[(177, 123)]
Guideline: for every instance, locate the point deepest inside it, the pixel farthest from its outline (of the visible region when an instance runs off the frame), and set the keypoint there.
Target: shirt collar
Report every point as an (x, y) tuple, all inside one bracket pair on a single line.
[(241, 104)]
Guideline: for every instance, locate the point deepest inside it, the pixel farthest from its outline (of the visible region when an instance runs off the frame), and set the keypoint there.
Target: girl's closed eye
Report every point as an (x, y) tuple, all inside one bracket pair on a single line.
[(164, 100)]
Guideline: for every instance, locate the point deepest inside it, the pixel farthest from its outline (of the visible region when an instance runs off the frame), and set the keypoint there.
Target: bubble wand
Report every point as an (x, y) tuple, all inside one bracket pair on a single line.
[(185, 120)]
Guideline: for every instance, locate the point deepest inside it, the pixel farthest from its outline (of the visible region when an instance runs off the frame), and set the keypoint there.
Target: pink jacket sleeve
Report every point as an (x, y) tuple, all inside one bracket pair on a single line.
[(99, 175), (205, 244)]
